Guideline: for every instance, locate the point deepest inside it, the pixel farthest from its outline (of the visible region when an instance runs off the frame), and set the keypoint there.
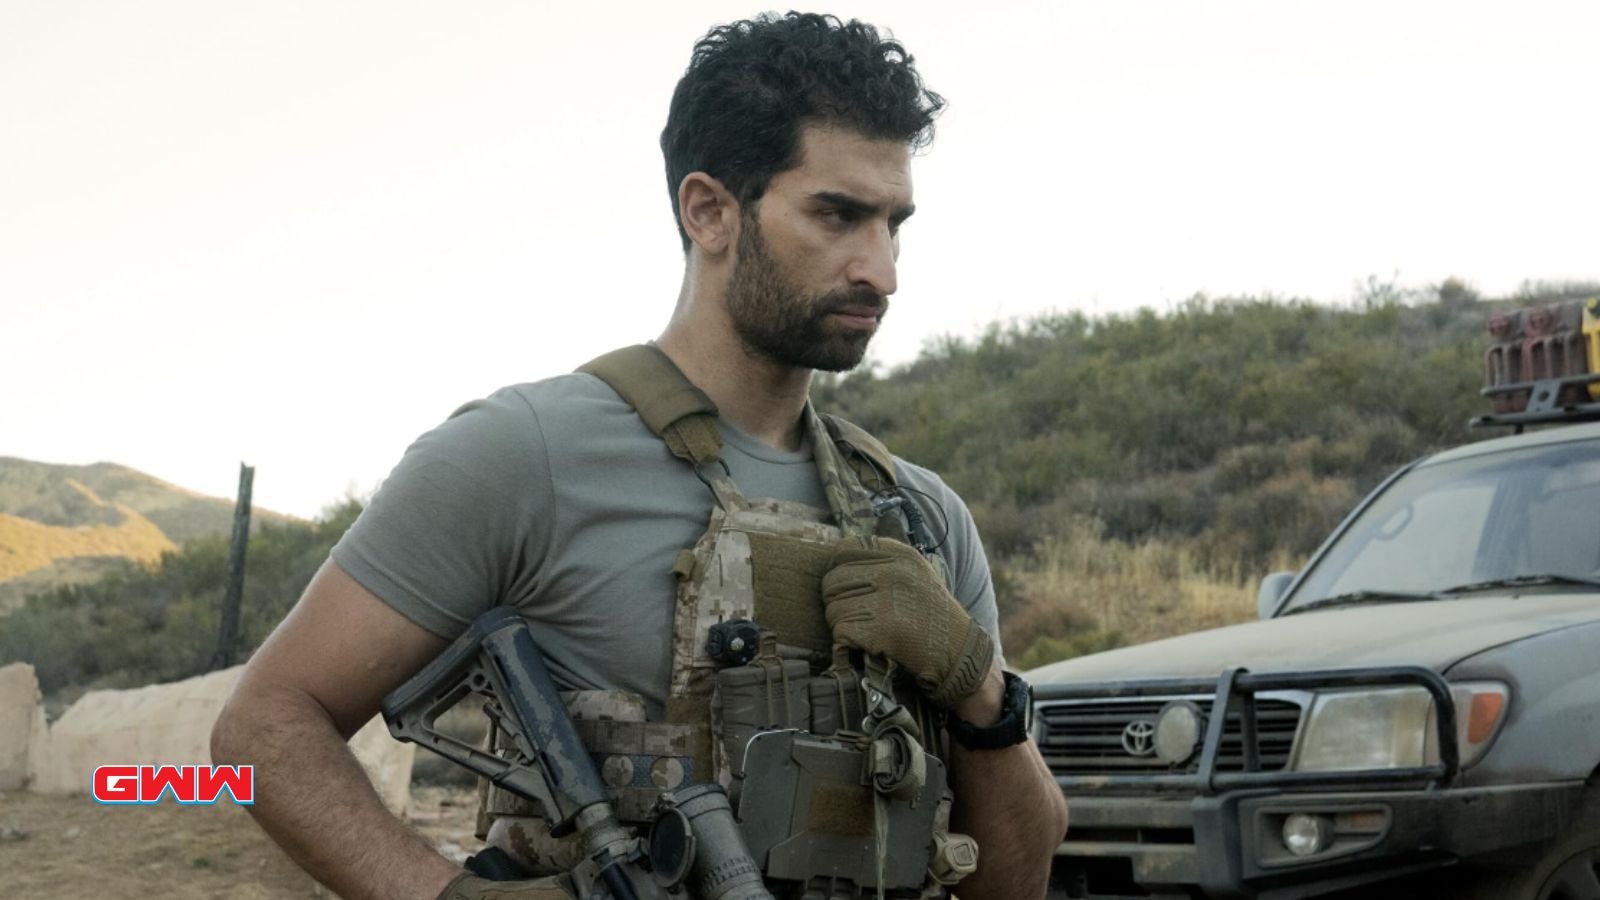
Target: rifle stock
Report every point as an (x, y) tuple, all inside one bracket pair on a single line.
[(497, 658)]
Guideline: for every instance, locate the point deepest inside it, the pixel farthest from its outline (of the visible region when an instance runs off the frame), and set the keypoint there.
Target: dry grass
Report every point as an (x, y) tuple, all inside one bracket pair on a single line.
[(53, 515), (1082, 593), (26, 545), (59, 847), (55, 847)]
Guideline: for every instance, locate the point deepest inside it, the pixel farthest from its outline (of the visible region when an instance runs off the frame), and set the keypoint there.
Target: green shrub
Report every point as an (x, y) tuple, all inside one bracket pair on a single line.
[(140, 625), (1049, 649)]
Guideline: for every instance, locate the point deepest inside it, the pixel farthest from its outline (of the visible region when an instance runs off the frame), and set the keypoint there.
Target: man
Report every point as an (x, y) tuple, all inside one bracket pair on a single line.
[(788, 150)]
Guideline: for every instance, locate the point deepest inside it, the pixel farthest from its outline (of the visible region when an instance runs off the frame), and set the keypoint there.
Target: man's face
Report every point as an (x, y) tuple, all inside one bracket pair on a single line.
[(816, 261)]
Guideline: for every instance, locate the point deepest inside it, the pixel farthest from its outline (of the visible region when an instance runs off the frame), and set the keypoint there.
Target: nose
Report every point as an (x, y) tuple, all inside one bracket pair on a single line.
[(873, 266)]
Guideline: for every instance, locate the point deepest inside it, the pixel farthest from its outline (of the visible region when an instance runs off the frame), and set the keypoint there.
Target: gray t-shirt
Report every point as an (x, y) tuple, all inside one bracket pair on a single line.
[(553, 497)]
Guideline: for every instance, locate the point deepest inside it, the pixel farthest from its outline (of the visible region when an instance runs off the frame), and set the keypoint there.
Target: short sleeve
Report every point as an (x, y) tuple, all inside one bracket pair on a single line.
[(962, 548), (453, 526)]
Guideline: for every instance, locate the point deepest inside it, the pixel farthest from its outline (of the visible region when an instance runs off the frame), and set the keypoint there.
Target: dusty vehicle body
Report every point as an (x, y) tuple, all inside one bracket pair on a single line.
[(1421, 701)]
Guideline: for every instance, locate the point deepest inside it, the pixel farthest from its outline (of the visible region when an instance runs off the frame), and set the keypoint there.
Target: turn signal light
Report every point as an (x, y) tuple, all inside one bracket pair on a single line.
[(1484, 716)]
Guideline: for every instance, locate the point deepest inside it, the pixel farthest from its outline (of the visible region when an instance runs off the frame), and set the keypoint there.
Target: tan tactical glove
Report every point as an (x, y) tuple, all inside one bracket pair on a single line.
[(882, 597), (467, 886)]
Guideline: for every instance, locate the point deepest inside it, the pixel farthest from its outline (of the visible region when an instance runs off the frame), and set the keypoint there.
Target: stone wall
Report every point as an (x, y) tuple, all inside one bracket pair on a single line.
[(171, 724), (22, 728)]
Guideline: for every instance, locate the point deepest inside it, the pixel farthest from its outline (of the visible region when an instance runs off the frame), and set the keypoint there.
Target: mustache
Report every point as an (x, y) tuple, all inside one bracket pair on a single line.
[(861, 300)]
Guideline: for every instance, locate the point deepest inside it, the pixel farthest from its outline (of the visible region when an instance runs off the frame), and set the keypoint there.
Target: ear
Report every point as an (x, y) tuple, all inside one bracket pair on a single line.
[(709, 213)]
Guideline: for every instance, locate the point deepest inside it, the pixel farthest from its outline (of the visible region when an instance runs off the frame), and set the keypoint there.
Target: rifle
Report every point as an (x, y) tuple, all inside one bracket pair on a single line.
[(694, 843)]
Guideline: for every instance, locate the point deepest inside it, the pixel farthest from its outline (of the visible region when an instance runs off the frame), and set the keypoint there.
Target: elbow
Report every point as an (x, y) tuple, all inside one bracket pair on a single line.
[(226, 745), (1052, 831), (1053, 813), (259, 723), (1047, 842), (236, 735), (1058, 819)]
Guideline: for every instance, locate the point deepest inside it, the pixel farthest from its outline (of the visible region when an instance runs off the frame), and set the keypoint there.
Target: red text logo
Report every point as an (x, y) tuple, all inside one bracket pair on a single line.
[(185, 784)]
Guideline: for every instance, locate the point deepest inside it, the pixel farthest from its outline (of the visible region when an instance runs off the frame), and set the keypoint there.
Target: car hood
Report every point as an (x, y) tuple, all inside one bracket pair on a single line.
[(1435, 633)]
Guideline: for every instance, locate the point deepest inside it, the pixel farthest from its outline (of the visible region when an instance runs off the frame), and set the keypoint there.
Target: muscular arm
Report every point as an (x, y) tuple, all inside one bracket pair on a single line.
[(1009, 802), (319, 677)]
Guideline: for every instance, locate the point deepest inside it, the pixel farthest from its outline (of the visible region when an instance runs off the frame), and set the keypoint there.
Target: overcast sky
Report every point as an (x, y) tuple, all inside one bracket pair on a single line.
[(300, 233)]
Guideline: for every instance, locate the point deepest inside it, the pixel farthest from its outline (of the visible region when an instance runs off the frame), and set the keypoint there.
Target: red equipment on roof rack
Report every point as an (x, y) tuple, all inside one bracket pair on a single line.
[(1543, 364)]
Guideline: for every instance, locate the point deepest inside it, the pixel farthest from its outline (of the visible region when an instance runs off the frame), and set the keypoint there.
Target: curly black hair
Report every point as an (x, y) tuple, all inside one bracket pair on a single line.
[(751, 85)]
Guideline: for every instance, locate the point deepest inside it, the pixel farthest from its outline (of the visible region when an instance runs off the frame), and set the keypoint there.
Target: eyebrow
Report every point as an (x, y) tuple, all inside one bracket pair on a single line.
[(856, 204)]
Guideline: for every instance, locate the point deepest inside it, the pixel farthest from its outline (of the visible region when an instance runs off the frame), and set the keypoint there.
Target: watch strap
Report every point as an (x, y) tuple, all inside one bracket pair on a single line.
[(1016, 700)]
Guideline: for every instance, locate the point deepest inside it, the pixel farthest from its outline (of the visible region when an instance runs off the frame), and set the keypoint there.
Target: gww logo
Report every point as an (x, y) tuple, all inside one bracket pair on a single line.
[(185, 784)]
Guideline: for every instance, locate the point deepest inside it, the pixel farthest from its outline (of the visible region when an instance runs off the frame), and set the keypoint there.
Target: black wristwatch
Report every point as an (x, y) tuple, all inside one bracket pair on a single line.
[(1016, 715)]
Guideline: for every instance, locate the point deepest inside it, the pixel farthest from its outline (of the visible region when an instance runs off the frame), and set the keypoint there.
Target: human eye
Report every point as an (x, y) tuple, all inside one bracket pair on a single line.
[(840, 216)]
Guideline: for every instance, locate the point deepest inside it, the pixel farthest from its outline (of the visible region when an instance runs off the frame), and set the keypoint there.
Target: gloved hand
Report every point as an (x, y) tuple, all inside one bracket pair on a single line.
[(882, 597), (467, 886)]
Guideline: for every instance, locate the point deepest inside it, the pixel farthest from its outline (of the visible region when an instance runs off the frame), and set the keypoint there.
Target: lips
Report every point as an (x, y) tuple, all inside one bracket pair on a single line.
[(855, 310), (857, 305), (856, 320), (859, 312)]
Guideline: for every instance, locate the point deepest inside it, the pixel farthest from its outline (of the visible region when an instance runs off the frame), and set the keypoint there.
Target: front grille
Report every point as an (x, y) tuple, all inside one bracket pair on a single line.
[(1085, 737)]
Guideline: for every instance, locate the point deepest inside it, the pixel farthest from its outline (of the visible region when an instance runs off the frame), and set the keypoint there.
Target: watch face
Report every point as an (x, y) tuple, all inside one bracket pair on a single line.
[(1019, 699), (1026, 691)]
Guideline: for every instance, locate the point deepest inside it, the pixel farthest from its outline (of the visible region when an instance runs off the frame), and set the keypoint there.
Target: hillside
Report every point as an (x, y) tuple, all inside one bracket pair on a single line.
[(135, 625), (71, 524), (1133, 477)]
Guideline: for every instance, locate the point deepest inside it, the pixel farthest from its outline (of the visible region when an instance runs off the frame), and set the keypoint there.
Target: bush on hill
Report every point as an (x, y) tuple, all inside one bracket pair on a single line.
[(1132, 476), (142, 624), (1230, 434)]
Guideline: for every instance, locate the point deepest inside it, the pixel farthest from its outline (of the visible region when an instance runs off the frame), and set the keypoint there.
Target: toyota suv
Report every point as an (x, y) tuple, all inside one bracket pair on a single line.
[(1417, 710)]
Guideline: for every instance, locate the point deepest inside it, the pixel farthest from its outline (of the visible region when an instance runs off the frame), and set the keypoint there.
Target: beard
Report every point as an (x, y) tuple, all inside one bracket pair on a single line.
[(775, 319)]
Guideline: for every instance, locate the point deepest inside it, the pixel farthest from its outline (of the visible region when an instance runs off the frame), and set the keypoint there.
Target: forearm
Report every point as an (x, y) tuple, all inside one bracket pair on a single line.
[(1008, 801), (314, 800)]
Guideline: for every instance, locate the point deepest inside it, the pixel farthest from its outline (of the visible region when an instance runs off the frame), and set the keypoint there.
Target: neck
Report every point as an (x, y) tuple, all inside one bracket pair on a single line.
[(759, 396)]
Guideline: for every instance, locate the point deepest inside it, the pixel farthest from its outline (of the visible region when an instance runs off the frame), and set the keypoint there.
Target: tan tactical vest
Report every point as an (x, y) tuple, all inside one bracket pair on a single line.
[(759, 559)]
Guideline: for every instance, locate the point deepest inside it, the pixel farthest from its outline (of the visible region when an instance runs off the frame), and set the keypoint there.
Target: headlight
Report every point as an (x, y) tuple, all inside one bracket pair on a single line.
[(1377, 729), (1394, 728)]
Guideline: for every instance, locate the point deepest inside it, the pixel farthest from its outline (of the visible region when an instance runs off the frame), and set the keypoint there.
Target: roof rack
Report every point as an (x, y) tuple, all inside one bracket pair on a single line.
[(1543, 407)]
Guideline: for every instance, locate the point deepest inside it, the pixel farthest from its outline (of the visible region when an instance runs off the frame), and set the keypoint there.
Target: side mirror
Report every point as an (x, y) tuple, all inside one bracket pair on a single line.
[(1272, 588)]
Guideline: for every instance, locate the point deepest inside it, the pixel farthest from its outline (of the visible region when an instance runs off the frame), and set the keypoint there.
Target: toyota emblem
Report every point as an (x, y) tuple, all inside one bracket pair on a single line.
[(1139, 738)]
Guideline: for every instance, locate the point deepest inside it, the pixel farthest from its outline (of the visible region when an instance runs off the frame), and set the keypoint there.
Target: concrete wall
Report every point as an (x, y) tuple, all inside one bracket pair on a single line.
[(22, 727), (171, 724)]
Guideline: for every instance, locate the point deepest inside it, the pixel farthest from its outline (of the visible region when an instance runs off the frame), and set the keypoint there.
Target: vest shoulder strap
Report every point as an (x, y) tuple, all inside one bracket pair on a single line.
[(873, 466), (669, 405), (682, 415), (861, 447)]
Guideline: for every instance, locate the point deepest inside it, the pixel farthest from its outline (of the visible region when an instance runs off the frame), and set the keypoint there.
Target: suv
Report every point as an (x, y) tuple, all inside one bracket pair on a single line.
[(1424, 694)]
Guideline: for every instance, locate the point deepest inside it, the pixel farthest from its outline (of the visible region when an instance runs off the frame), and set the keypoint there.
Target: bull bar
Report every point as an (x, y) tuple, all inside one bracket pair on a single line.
[(1234, 692)]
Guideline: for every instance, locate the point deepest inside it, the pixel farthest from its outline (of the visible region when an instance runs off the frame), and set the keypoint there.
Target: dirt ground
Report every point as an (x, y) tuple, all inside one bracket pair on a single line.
[(58, 847)]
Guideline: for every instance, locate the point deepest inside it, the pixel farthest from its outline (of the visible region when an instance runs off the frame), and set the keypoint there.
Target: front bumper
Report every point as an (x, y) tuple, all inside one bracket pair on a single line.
[(1230, 845), (1214, 830)]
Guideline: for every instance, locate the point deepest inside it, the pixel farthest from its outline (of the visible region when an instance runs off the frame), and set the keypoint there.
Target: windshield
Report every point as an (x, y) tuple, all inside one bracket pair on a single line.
[(1520, 512)]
